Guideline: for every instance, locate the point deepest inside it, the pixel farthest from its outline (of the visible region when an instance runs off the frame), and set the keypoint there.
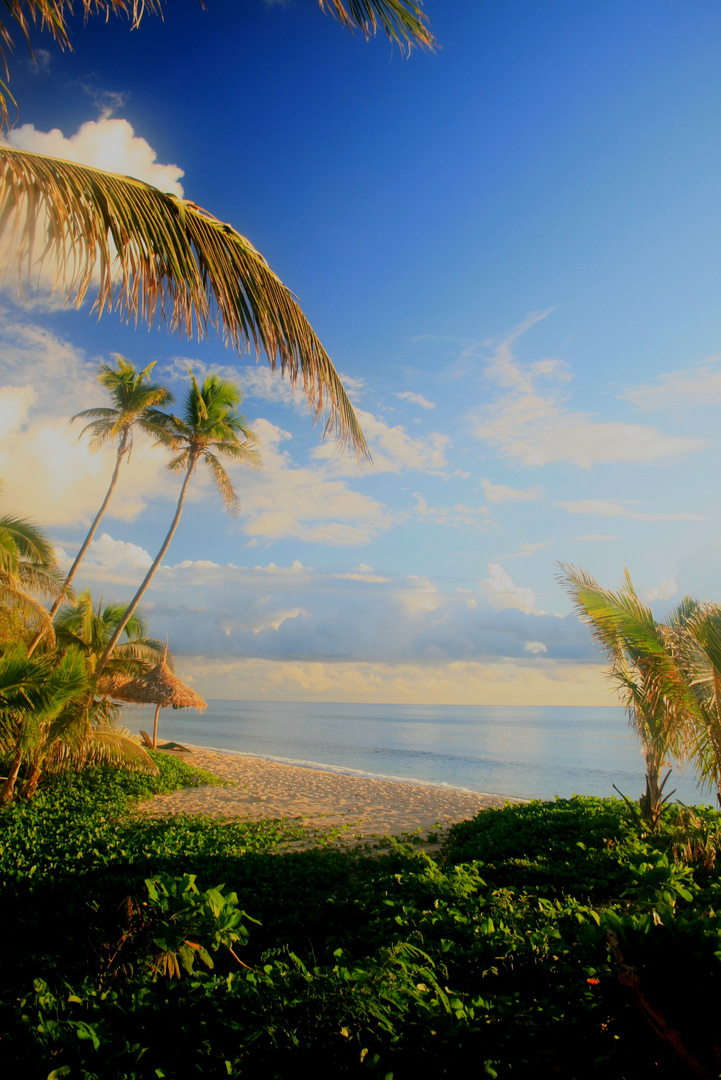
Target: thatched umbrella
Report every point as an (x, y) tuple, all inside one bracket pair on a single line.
[(159, 687)]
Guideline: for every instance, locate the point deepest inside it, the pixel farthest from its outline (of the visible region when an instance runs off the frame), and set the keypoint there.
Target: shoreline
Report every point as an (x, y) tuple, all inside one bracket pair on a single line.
[(364, 808)]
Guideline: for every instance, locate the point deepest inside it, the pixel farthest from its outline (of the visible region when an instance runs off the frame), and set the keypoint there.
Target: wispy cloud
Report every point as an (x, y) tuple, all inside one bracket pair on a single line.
[(700, 385), (607, 508), (530, 424), (500, 493), (458, 516), (416, 399)]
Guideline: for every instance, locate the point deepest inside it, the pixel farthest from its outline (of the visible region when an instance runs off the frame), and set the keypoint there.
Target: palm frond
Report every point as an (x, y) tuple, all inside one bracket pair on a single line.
[(163, 260), (223, 483), (403, 20), (30, 541)]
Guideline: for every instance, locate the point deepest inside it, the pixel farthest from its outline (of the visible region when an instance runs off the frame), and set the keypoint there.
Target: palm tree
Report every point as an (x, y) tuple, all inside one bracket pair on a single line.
[(89, 628), (209, 428), (27, 569), (164, 259), (650, 681), (132, 395), (697, 645), (49, 716)]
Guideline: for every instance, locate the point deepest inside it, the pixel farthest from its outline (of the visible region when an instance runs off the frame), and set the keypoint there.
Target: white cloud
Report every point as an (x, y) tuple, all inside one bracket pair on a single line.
[(531, 426), (393, 450), (283, 500), (502, 592), (104, 144), (667, 588), (416, 399), (499, 493), (700, 385), (111, 560), (606, 508)]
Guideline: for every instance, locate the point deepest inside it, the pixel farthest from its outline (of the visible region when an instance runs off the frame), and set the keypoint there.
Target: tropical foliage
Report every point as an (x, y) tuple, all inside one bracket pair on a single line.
[(668, 675), (28, 570), (545, 939)]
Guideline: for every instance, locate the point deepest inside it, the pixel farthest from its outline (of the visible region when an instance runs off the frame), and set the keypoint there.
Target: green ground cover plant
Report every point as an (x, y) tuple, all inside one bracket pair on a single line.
[(555, 939)]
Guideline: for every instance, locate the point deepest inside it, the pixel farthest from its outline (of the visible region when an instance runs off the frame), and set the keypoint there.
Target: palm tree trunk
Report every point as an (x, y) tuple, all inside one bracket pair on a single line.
[(88, 539), (130, 610), (6, 793)]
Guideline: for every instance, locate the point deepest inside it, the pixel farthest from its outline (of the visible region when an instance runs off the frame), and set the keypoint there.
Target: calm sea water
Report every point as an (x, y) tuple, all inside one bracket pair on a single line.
[(526, 752)]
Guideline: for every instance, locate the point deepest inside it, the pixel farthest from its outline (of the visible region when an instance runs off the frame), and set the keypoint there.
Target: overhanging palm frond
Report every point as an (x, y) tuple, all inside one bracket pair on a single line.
[(158, 259), (403, 20)]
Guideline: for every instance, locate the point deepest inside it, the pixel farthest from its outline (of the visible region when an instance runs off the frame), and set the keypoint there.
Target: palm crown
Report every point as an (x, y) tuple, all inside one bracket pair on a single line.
[(133, 396), (209, 428)]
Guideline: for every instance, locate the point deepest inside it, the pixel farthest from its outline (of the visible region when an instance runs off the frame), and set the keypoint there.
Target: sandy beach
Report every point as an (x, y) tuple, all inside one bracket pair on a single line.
[(365, 809)]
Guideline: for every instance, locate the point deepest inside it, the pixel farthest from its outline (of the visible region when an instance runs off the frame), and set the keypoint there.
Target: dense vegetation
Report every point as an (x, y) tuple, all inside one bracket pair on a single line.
[(552, 939)]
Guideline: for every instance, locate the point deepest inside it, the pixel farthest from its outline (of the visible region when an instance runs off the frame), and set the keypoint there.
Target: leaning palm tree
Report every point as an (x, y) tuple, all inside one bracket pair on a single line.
[(132, 396), (162, 259), (209, 428), (647, 676)]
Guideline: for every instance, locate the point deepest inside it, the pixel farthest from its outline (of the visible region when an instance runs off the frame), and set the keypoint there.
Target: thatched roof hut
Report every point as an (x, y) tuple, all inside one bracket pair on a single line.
[(159, 687)]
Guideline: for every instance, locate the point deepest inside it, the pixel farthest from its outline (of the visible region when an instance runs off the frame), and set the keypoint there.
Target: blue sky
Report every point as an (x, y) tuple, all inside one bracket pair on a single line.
[(511, 250)]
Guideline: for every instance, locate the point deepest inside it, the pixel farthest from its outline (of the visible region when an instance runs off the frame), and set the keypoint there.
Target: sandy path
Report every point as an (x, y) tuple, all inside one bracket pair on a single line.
[(267, 789)]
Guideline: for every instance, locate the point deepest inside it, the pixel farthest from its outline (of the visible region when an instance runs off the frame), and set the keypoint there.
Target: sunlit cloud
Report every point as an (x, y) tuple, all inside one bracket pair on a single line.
[(288, 500), (534, 681), (393, 450), (104, 144)]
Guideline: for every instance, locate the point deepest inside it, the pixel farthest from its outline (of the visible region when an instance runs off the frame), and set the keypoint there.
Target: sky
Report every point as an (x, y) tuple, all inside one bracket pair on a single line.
[(511, 249)]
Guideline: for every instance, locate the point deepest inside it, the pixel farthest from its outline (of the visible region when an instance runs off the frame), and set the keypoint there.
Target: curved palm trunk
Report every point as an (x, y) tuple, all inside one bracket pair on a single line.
[(130, 610), (87, 541)]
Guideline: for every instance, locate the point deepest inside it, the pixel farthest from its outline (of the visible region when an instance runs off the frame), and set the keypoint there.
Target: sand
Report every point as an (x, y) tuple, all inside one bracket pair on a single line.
[(364, 809)]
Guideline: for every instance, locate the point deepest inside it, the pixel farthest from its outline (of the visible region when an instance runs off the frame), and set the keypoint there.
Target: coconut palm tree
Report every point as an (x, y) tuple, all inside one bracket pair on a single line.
[(89, 627), (132, 396), (28, 569), (697, 645), (647, 676), (49, 717), (208, 429), (162, 259)]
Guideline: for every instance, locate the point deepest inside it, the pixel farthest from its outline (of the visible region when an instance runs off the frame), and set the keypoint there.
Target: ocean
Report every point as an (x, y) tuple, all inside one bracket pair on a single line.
[(532, 753)]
